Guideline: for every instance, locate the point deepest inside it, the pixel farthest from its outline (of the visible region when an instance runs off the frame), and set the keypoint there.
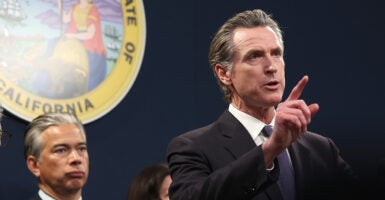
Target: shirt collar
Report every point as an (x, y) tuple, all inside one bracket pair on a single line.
[(45, 196), (253, 125)]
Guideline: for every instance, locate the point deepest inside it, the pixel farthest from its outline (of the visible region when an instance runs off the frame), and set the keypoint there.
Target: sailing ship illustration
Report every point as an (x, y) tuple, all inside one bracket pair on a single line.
[(11, 10), (113, 46), (111, 32)]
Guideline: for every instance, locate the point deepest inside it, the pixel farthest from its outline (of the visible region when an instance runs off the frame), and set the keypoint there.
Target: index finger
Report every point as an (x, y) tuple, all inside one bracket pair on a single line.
[(297, 90)]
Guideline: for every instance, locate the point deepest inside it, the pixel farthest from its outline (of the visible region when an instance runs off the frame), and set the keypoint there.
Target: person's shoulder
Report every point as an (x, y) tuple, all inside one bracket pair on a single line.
[(315, 136), (316, 140), (198, 133)]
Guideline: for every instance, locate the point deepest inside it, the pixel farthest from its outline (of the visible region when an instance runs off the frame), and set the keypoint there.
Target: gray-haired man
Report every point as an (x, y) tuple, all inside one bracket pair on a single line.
[(55, 150)]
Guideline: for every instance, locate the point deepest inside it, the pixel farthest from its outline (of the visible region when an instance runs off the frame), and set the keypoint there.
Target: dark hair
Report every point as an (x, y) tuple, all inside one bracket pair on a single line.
[(146, 184), (222, 48)]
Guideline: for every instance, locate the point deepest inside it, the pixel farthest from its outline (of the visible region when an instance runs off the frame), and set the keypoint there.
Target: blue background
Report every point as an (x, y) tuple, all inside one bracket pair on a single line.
[(339, 44)]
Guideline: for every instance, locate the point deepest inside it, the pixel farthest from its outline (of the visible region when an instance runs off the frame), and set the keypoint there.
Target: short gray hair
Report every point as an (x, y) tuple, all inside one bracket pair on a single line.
[(33, 142)]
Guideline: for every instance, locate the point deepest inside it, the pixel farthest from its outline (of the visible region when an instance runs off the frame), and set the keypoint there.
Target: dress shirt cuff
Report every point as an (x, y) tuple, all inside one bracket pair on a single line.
[(271, 168)]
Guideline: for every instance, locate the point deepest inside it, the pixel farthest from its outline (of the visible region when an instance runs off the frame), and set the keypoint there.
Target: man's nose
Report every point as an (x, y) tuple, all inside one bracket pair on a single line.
[(269, 64), (75, 157)]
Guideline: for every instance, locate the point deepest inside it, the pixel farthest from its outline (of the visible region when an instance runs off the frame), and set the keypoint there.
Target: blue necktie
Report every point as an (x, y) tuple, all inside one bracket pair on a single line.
[(286, 173)]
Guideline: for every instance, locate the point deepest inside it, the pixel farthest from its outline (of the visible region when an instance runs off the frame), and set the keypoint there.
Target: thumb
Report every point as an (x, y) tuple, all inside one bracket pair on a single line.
[(313, 108)]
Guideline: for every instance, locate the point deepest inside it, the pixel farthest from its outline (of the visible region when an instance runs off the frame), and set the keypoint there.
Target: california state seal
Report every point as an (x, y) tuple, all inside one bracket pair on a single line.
[(77, 56)]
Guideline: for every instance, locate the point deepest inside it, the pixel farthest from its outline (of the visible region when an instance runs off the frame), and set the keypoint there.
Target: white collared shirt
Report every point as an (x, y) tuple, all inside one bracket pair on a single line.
[(45, 196), (253, 125)]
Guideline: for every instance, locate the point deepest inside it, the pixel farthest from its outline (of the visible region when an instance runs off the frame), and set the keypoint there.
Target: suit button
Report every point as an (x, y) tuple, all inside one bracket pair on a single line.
[(251, 189)]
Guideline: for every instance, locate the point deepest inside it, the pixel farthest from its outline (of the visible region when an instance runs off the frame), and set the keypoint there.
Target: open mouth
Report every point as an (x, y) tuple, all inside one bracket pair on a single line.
[(272, 85)]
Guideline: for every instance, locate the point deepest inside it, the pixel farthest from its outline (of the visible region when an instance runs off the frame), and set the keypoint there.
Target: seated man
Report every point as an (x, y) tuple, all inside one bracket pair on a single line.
[(55, 150)]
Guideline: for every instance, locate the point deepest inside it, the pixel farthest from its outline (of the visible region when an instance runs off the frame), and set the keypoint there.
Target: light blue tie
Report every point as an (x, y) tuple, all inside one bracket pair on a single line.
[(286, 172)]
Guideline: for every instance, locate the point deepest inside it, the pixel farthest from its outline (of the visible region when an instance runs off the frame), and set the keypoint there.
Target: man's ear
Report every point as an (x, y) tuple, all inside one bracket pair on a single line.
[(33, 165), (223, 74)]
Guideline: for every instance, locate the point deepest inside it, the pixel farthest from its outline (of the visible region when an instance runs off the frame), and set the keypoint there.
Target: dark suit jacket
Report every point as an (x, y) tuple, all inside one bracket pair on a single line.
[(221, 162), (36, 197)]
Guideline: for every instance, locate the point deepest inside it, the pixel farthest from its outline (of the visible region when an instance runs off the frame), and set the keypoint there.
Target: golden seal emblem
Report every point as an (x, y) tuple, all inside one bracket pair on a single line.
[(78, 56)]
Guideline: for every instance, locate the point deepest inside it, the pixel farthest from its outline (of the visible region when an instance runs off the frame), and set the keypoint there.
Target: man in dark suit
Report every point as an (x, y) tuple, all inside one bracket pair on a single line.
[(55, 150), (260, 147)]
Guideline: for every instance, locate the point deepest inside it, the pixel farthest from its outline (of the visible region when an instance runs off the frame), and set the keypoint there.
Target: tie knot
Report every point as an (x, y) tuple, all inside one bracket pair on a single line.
[(267, 130)]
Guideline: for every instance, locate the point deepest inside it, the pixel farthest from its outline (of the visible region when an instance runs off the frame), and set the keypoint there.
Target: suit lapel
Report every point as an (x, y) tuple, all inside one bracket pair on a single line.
[(238, 142), (236, 138)]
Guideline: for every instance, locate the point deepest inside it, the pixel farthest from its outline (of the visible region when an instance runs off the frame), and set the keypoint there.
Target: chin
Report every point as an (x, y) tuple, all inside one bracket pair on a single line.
[(275, 100), (76, 184)]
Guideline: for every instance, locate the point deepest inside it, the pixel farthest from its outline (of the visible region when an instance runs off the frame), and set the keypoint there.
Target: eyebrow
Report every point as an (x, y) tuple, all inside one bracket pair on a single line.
[(67, 145), (278, 48)]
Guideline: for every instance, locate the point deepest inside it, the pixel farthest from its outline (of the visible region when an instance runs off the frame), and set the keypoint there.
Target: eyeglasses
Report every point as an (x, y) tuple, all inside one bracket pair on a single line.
[(4, 137)]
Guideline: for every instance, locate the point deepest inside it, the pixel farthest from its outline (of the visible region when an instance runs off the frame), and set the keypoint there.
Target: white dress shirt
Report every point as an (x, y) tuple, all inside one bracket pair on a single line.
[(254, 126), (45, 196)]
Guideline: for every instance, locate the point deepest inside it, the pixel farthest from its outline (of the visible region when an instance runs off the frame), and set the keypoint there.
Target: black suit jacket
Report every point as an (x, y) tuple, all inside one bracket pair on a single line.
[(221, 162), (36, 197)]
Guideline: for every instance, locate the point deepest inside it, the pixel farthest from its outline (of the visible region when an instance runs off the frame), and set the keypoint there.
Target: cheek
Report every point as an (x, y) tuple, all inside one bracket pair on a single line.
[(283, 82), (86, 160), (49, 169), (55, 166), (87, 167)]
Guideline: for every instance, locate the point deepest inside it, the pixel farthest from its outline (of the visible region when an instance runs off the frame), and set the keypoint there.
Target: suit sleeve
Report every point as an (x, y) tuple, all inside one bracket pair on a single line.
[(346, 179), (193, 177)]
